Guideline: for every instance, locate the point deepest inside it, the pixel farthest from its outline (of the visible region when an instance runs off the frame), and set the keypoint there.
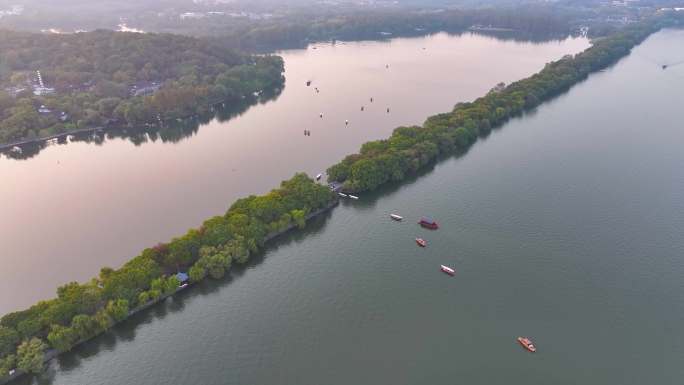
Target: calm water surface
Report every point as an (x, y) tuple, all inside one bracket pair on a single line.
[(566, 226), (75, 208)]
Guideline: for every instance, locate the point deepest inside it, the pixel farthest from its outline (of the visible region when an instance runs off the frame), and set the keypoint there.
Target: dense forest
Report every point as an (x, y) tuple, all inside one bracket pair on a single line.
[(82, 311), (298, 29), (57, 83), (249, 25), (411, 148)]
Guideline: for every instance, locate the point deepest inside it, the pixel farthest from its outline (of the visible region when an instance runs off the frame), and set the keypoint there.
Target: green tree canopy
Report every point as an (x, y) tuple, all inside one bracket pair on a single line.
[(31, 355), (9, 339)]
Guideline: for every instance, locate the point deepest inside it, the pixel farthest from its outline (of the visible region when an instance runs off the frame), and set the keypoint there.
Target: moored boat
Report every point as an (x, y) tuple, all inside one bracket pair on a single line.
[(428, 223), (421, 242), (396, 217), (447, 269), (318, 177), (342, 195), (353, 196), (527, 344)]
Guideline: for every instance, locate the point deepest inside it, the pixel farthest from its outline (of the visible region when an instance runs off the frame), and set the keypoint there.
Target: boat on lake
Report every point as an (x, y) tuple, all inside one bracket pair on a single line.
[(318, 177), (353, 196), (447, 270), (396, 217), (428, 223), (421, 242), (342, 195), (527, 344)]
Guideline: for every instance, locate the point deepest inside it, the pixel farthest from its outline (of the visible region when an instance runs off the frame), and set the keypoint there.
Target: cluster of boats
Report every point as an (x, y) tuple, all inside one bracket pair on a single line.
[(432, 225), (320, 115)]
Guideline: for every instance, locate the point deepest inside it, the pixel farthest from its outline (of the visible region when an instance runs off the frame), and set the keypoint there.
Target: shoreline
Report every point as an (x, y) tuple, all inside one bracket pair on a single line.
[(51, 354), (5, 147)]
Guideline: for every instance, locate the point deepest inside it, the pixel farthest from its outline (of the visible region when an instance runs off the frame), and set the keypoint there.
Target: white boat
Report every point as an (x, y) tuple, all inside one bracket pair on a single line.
[(342, 195), (353, 196), (16, 150), (318, 177), (396, 217), (447, 269)]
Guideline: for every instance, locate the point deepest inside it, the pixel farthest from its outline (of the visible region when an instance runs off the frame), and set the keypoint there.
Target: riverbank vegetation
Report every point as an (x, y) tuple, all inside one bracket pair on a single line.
[(172, 131), (57, 83), (411, 148), (82, 311)]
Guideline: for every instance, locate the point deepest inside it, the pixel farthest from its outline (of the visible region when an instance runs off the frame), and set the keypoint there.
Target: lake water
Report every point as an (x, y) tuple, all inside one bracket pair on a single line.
[(565, 226), (75, 208)]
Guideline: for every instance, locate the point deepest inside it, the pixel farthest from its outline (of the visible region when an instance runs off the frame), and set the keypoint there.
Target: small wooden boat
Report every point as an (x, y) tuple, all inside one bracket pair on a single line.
[(447, 270), (527, 344), (428, 223), (421, 242), (318, 177), (396, 217), (342, 195), (353, 196)]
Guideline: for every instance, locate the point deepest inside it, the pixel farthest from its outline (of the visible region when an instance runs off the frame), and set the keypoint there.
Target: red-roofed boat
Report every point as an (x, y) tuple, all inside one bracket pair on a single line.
[(527, 344), (421, 242), (428, 223)]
